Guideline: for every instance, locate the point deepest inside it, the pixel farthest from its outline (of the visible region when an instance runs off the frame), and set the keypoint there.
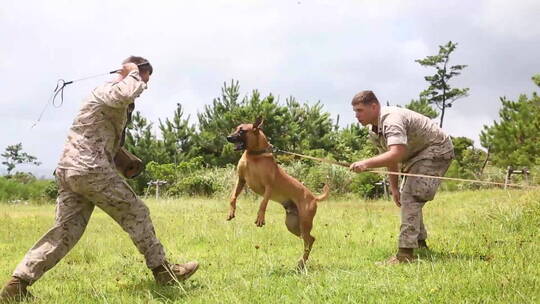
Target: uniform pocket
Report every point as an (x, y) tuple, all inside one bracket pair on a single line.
[(424, 188)]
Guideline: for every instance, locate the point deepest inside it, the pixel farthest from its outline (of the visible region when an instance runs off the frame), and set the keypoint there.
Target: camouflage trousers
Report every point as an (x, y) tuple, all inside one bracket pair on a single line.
[(77, 197), (415, 192)]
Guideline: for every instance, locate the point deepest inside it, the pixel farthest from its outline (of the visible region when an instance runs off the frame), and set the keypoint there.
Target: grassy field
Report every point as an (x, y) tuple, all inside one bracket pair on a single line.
[(485, 248)]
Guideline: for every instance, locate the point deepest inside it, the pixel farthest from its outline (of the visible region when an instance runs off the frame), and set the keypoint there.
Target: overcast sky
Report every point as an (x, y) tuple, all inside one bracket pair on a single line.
[(312, 50)]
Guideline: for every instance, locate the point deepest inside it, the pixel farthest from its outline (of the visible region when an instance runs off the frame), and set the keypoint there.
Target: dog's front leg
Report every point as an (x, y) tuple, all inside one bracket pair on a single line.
[(237, 190), (262, 208)]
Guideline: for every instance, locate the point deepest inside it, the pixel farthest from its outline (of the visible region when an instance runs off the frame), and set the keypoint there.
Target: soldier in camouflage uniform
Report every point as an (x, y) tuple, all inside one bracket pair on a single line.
[(87, 177), (421, 147)]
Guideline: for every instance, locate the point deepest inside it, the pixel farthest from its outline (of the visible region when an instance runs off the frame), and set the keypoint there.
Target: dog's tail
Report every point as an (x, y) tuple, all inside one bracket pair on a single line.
[(324, 195)]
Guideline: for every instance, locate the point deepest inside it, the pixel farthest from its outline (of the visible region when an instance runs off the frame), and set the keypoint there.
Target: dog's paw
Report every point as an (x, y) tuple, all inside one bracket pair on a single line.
[(301, 265), (260, 221)]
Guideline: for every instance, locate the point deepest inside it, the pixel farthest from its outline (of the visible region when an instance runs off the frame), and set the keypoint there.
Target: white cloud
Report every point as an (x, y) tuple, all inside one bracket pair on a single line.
[(516, 19)]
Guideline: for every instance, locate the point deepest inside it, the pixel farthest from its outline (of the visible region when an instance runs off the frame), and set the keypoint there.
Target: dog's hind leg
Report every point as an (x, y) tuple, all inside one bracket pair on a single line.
[(306, 223), (291, 217)]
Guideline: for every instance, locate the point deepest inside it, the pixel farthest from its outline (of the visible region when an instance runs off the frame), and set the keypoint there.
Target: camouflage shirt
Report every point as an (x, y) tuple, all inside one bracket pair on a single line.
[(94, 137), (423, 138)]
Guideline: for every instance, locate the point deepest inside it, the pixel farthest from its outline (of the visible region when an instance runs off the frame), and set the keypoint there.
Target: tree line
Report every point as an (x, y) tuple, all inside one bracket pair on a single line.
[(309, 129)]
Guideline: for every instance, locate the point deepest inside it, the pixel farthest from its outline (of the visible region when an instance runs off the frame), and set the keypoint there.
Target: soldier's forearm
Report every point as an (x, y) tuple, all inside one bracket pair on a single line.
[(393, 179), (388, 158), (383, 160)]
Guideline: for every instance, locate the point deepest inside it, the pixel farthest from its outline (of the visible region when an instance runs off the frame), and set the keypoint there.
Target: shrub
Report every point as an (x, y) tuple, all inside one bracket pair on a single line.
[(197, 183), (23, 178), (11, 190), (51, 191), (364, 185)]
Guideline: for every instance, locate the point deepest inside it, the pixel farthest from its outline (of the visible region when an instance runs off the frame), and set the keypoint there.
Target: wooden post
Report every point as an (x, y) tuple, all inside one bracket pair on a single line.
[(508, 174), (509, 171), (384, 184), (526, 175), (156, 183), (385, 187)]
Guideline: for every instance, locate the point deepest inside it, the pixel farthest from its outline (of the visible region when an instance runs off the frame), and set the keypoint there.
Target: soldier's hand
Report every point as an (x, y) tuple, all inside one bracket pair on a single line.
[(396, 197), (128, 68), (359, 166)]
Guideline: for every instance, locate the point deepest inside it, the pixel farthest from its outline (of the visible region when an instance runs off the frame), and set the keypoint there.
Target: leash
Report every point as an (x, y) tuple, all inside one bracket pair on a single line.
[(59, 91), (347, 165)]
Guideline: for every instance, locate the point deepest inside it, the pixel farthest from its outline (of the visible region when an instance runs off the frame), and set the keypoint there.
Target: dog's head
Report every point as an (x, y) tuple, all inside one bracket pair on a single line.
[(248, 136)]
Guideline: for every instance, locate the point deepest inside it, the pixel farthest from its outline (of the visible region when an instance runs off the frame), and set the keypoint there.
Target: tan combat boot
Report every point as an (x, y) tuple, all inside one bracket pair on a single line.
[(404, 255), (167, 274), (15, 290)]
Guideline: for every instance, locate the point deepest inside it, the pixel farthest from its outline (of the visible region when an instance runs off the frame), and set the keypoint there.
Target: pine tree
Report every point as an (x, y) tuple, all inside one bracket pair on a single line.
[(14, 156), (177, 136), (439, 91), (421, 105), (514, 138)]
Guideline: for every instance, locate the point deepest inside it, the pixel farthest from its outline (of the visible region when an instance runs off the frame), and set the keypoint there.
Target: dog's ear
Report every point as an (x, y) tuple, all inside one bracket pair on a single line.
[(258, 123)]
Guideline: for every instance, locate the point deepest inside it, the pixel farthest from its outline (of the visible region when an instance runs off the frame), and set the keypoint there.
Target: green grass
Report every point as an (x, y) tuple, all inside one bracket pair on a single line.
[(485, 248)]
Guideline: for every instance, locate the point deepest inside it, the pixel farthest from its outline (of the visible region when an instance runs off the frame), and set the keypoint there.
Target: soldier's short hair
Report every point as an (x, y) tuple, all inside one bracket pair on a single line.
[(365, 97), (143, 63)]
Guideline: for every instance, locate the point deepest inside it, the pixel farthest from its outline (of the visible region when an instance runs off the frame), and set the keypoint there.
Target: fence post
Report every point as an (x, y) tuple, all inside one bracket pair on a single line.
[(509, 171), (384, 184), (526, 175), (156, 183), (508, 174)]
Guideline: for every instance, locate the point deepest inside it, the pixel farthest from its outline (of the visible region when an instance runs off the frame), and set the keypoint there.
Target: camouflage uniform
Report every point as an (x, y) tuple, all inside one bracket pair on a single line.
[(429, 152), (86, 177)]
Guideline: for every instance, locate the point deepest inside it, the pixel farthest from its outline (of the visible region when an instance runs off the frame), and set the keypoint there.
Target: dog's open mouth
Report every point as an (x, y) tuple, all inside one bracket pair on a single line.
[(237, 141), (239, 146)]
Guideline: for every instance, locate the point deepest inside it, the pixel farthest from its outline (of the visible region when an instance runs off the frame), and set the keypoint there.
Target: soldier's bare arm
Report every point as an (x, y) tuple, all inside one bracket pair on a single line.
[(394, 154)]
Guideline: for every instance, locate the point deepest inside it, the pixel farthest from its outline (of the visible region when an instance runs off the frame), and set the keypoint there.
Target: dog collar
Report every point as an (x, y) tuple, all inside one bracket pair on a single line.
[(269, 149)]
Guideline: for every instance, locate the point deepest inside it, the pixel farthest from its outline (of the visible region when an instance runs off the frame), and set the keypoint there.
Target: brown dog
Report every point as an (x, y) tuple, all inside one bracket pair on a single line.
[(259, 170)]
